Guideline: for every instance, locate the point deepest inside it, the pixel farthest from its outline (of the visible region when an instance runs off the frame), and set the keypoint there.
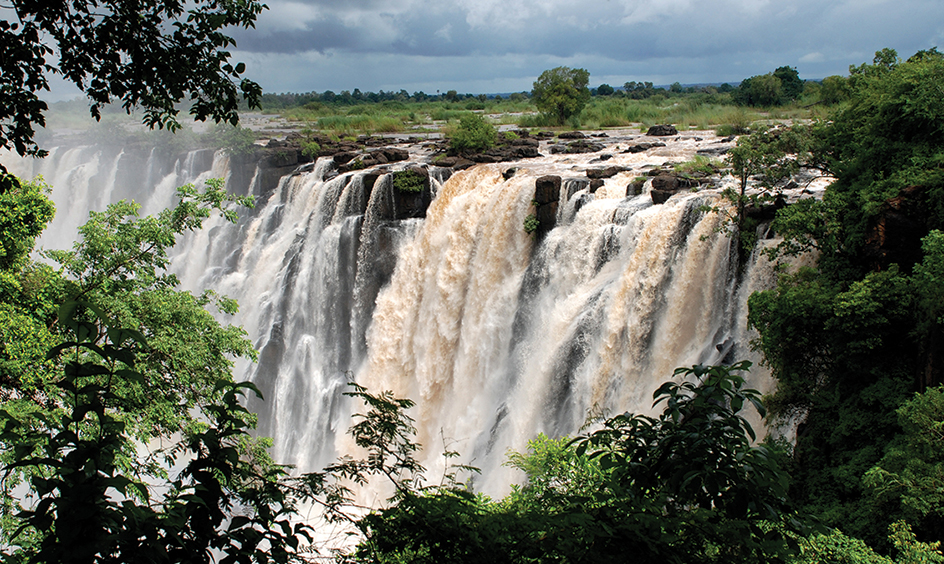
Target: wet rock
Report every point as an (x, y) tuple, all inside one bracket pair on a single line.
[(411, 193), (894, 234), (344, 157), (577, 147), (608, 172), (635, 187), (509, 173), (662, 130), (546, 198), (547, 189), (595, 185), (714, 151), (572, 135), (642, 147)]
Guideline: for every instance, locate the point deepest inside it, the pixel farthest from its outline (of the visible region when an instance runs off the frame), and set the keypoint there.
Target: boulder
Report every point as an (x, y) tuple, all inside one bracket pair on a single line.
[(572, 135), (661, 196), (547, 189), (575, 147), (411, 203), (344, 157), (608, 172), (662, 130), (642, 147), (665, 182)]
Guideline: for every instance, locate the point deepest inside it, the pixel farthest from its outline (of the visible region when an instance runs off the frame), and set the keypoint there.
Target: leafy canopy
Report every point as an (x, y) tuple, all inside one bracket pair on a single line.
[(561, 92), (147, 54)]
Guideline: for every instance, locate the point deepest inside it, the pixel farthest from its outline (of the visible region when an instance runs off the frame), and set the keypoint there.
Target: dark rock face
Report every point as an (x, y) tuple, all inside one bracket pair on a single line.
[(595, 185), (455, 163), (572, 135), (373, 158), (575, 147), (661, 196), (608, 172), (766, 212), (664, 186), (894, 234), (410, 204), (642, 147), (665, 182), (546, 200), (344, 157), (547, 189), (662, 130), (635, 187)]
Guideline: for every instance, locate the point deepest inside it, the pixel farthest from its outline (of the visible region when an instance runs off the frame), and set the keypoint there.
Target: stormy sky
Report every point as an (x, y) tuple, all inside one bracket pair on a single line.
[(476, 46)]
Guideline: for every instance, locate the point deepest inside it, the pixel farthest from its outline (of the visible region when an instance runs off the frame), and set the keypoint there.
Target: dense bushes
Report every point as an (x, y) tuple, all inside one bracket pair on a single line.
[(474, 133), (850, 340)]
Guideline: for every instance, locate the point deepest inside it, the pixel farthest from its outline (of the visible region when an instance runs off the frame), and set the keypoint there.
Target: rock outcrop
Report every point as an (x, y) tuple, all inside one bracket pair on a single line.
[(662, 130), (546, 200)]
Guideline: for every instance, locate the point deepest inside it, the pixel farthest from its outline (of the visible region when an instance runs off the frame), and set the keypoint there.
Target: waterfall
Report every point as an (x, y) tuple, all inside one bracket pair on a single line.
[(495, 333)]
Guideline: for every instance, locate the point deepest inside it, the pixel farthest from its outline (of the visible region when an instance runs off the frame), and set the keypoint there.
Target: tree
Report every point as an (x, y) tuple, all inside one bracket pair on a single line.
[(605, 90), (128, 360), (909, 476), (561, 92), (790, 82), (146, 54)]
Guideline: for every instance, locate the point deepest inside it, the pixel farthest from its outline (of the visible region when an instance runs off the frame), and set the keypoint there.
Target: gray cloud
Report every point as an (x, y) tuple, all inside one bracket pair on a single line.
[(319, 44)]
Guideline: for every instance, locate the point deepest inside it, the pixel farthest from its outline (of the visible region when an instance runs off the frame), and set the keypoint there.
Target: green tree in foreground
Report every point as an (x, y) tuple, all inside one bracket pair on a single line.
[(561, 92), (148, 54), (117, 357)]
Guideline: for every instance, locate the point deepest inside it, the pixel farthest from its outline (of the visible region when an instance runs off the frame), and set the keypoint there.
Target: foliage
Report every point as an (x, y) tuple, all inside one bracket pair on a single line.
[(604, 90), (409, 181), (233, 139), (147, 54), (89, 503), (765, 161), (850, 340), (531, 223), (561, 92), (24, 213), (910, 475), (841, 549), (311, 149), (835, 89), (474, 133), (130, 360), (790, 83), (700, 164), (693, 474), (688, 486), (763, 90)]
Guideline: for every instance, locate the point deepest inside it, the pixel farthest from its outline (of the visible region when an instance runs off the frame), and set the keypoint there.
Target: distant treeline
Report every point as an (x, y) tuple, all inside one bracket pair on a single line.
[(780, 87)]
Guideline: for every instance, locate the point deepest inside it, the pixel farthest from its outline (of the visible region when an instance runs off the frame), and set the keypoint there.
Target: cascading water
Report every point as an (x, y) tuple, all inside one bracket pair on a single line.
[(497, 335)]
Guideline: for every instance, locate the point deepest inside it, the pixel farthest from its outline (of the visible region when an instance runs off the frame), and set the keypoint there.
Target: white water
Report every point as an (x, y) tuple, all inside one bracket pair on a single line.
[(497, 336)]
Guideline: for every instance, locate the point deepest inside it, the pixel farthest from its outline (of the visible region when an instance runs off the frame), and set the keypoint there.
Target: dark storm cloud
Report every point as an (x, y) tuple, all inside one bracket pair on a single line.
[(514, 40)]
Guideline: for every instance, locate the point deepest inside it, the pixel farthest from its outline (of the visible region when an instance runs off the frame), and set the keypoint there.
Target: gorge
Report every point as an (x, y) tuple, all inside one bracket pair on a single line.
[(497, 334)]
